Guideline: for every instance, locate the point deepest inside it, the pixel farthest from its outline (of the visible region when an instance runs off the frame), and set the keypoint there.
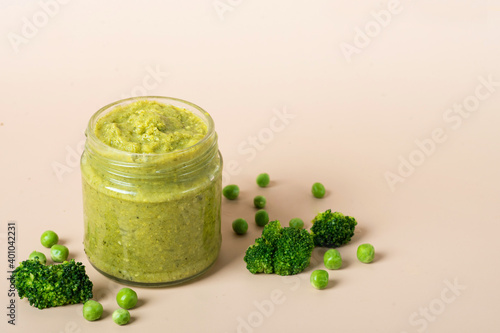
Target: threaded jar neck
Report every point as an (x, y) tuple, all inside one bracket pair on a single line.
[(182, 164)]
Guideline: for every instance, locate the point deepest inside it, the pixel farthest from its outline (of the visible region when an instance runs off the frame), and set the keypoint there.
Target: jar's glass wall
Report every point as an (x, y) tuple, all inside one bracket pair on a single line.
[(152, 220)]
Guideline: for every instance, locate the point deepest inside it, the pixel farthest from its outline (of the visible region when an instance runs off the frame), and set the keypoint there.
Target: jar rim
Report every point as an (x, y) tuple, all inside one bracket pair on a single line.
[(90, 133)]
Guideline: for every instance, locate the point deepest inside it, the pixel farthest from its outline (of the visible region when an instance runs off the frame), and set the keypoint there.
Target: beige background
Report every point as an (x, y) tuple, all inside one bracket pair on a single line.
[(286, 100)]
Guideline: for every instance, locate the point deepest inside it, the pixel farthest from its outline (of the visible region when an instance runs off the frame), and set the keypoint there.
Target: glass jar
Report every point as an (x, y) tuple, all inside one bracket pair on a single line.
[(152, 219)]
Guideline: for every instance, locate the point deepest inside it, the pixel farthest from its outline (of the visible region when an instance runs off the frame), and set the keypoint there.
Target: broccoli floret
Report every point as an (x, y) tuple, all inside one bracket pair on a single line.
[(47, 286), (332, 229), (259, 257), (293, 251), (284, 251), (272, 232)]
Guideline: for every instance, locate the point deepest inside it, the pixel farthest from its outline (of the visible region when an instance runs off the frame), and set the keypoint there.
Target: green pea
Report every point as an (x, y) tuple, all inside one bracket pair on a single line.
[(92, 310), (49, 238), (126, 298), (259, 201), (240, 226), (59, 253), (38, 256), (121, 316), (263, 180), (319, 279), (332, 259), (296, 223), (366, 253), (231, 191), (318, 190), (261, 217)]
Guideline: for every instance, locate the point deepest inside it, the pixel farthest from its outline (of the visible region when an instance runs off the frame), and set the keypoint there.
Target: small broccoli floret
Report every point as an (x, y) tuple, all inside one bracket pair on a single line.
[(52, 285), (293, 251), (284, 251), (259, 257), (272, 232), (332, 229)]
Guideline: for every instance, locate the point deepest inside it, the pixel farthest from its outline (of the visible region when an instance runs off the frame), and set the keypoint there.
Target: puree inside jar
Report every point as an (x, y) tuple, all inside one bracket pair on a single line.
[(159, 223), (150, 127)]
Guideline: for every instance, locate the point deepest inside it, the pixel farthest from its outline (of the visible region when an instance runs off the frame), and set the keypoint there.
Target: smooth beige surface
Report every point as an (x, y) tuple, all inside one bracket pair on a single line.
[(288, 101)]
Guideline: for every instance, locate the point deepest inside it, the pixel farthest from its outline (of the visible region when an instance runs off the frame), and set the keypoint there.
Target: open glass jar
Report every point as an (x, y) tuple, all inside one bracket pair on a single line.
[(152, 219)]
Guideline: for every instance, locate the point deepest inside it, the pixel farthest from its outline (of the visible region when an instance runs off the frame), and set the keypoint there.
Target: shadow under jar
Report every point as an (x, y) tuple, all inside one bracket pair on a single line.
[(151, 218)]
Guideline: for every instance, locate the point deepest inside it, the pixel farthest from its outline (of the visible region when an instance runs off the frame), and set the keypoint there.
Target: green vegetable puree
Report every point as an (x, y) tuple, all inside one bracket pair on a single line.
[(150, 127), (151, 215)]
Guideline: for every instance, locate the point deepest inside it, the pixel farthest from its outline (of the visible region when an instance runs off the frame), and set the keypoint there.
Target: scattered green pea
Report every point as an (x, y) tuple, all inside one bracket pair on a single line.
[(240, 226), (59, 253), (319, 279), (126, 298), (231, 191), (366, 253), (92, 310), (38, 255), (121, 316), (318, 190), (332, 259), (49, 238), (263, 180), (261, 217), (259, 201), (296, 223)]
